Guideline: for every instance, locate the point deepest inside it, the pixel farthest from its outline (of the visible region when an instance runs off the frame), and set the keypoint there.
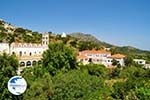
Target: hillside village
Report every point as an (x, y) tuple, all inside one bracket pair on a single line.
[(31, 53), (95, 66)]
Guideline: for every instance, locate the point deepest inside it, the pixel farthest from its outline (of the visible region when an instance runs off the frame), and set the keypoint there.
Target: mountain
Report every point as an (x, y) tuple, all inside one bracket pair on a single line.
[(127, 50), (10, 33), (90, 38)]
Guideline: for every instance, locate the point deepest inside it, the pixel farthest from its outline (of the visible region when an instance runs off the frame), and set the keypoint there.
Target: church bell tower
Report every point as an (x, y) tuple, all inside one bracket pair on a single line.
[(45, 39)]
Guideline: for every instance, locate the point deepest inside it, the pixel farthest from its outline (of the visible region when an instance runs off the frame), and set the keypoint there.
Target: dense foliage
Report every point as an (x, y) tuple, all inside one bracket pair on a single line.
[(59, 57), (8, 67), (75, 82), (61, 78)]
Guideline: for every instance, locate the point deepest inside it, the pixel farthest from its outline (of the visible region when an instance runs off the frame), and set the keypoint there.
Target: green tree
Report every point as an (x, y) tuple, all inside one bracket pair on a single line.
[(96, 70), (79, 85), (59, 57), (8, 67), (115, 62), (129, 61), (40, 85)]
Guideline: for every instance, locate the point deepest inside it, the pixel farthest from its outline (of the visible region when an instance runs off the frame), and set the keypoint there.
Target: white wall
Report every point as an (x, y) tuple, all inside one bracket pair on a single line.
[(140, 61), (4, 47), (26, 51)]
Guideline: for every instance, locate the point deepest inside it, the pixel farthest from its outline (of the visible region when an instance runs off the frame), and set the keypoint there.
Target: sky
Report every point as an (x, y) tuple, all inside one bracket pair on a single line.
[(119, 22)]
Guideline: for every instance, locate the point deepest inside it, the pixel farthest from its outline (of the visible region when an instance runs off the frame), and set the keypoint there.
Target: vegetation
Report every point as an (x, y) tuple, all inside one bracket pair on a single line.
[(12, 34), (8, 67), (59, 77), (59, 57)]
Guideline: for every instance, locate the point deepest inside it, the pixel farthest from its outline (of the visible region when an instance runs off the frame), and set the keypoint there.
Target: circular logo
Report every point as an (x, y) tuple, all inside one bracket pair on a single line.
[(17, 85)]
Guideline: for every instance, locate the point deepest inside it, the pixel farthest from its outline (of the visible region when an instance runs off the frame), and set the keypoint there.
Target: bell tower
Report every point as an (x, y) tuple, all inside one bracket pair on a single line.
[(45, 39)]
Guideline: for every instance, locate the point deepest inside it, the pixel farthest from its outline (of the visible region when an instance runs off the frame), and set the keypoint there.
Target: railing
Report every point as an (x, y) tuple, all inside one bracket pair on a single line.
[(29, 57)]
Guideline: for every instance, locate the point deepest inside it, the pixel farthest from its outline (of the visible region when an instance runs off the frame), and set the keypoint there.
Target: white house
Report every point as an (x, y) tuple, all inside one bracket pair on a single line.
[(140, 61), (147, 65), (118, 57), (99, 57), (63, 35)]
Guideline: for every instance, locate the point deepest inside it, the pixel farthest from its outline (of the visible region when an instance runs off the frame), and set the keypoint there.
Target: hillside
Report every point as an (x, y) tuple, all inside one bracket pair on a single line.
[(10, 33), (127, 50), (80, 41), (90, 38)]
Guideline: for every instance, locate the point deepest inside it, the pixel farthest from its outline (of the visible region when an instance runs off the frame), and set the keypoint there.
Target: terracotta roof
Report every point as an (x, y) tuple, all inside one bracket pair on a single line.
[(95, 52), (82, 57), (117, 56)]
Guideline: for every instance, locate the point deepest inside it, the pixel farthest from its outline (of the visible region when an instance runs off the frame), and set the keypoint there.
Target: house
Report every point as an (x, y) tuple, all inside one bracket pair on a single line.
[(118, 57), (93, 56), (63, 35), (147, 66), (140, 61), (99, 57)]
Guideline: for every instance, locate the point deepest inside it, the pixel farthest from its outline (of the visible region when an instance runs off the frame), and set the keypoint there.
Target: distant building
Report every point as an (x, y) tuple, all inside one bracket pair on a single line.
[(147, 65), (140, 61), (99, 57), (63, 34), (118, 57)]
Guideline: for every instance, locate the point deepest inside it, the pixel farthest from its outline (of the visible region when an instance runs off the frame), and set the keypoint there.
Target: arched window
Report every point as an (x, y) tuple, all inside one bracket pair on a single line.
[(20, 53), (28, 63), (22, 64), (33, 63)]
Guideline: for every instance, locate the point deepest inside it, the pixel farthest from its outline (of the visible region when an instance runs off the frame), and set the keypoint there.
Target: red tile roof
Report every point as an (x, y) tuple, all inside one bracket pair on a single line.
[(82, 57), (117, 56), (95, 52)]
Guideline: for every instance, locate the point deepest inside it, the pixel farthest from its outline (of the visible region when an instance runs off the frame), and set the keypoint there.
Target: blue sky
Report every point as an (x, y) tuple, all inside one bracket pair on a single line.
[(119, 22)]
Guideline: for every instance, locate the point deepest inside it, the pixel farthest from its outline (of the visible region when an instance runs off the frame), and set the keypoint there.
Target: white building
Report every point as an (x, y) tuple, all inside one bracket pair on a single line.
[(118, 57), (99, 57), (4, 48), (27, 53), (147, 65), (63, 35), (140, 61)]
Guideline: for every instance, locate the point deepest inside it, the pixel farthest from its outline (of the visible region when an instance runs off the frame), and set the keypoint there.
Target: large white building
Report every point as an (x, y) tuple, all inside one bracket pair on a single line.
[(28, 54), (100, 57)]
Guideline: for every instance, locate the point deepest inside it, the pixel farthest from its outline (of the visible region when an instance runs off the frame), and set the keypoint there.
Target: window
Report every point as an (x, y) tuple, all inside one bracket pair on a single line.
[(140, 62), (30, 54), (20, 53), (13, 52)]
